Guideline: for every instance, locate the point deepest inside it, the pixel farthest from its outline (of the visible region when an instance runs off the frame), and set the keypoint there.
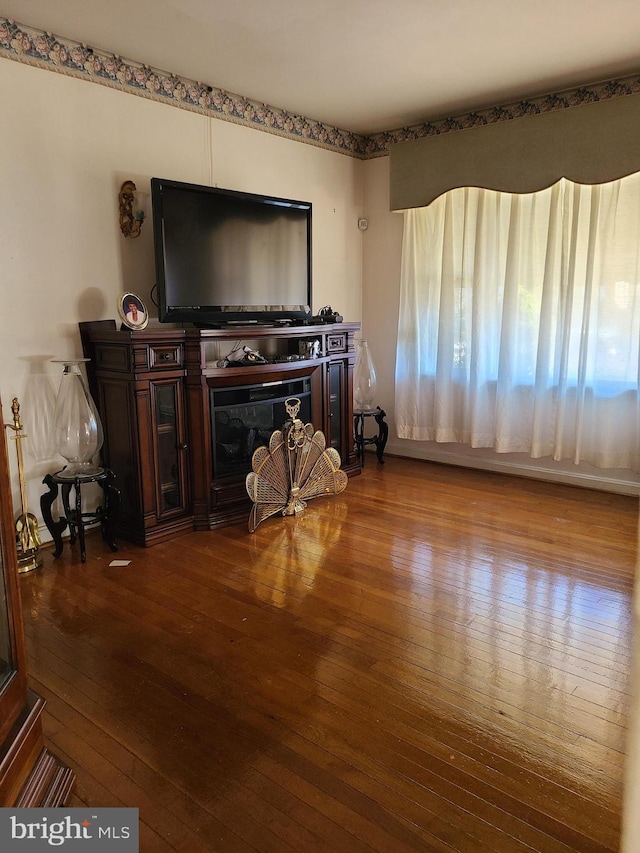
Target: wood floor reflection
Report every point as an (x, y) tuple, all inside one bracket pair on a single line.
[(436, 660)]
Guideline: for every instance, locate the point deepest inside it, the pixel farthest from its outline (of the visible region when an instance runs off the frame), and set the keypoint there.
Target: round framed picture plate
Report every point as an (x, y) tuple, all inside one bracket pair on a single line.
[(132, 311)]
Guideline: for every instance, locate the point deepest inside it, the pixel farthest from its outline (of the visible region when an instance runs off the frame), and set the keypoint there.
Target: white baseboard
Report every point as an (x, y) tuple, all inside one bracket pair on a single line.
[(604, 480)]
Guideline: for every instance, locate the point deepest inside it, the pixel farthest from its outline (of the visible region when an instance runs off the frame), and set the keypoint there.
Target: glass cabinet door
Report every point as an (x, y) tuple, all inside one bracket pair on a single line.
[(170, 447), (336, 386)]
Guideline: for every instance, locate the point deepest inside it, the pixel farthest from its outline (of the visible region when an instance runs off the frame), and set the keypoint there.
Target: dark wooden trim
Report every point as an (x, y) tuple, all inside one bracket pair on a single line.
[(49, 784), (30, 775)]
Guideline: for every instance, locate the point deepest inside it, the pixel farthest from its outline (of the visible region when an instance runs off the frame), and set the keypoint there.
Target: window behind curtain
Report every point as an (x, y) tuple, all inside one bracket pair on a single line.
[(520, 321)]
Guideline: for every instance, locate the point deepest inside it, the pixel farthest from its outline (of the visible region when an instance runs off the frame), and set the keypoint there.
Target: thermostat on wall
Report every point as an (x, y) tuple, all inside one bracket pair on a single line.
[(363, 224)]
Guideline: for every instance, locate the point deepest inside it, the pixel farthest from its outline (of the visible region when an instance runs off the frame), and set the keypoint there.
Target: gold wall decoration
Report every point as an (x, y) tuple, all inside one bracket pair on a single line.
[(131, 205)]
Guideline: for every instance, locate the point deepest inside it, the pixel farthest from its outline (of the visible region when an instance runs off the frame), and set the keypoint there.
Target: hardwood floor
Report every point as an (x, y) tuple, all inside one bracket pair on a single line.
[(437, 659)]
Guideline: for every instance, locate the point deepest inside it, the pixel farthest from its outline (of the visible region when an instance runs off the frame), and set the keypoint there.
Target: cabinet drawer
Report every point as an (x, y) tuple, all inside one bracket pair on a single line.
[(162, 356), (114, 358), (337, 342)]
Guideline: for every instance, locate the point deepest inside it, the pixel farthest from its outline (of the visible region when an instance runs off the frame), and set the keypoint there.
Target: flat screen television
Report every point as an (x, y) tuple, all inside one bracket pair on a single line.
[(229, 257)]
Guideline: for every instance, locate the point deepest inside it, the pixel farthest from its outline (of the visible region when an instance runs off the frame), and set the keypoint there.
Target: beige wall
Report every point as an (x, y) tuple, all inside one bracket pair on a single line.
[(381, 276), (67, 145)]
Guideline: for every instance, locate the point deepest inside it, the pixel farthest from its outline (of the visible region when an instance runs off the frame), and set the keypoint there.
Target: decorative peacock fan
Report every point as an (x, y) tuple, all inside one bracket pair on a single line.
[(296, 467)]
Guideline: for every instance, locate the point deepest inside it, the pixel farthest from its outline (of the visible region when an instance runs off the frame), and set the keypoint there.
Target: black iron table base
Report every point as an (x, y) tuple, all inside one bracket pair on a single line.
[(74, 518), (380, 440)]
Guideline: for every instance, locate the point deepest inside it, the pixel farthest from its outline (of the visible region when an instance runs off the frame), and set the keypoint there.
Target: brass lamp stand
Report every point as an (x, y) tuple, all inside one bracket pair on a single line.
[(27, 535)]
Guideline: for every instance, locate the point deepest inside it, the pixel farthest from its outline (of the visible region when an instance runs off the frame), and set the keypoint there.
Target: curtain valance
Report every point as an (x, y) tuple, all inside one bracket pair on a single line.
[(589, 144)]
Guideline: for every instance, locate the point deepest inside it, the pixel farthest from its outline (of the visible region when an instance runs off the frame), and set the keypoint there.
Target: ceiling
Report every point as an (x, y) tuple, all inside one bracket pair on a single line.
[(360, 65)]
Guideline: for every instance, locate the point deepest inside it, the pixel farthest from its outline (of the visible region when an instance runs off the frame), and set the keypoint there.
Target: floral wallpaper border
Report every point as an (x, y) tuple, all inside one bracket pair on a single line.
[(36, 47)]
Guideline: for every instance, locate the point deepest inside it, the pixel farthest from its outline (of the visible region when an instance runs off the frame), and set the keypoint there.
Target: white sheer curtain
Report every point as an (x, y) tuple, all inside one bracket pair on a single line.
[(520, 322)]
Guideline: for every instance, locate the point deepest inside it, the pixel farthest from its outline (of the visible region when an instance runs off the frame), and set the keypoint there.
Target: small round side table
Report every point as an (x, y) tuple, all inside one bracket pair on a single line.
[(380, 440), (74, 518)]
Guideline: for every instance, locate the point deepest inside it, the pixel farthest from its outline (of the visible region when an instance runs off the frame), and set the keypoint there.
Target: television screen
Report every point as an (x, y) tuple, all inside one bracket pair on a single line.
[(226, 256)]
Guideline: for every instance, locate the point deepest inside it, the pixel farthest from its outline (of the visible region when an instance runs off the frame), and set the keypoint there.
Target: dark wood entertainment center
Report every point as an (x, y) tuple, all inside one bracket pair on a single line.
[(159, 390)]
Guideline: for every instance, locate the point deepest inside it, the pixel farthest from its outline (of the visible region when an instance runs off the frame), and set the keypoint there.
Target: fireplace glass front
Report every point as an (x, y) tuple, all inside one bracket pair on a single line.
[(243, 418)]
